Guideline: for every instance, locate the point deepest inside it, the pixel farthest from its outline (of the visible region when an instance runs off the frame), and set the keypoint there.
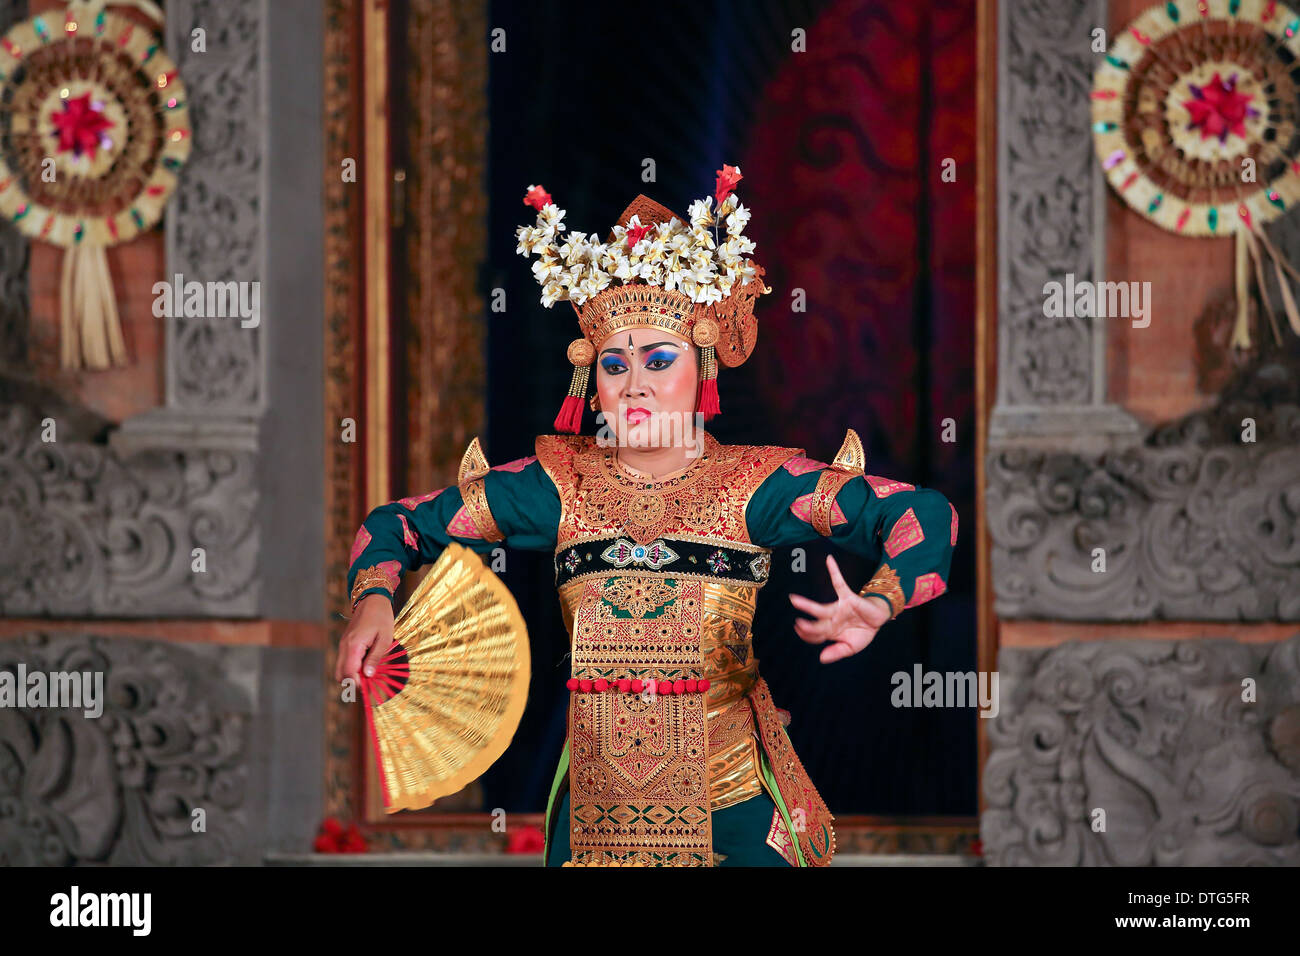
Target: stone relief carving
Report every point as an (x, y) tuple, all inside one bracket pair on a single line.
[(85, 532), (1046, 195), (1156, 734), (121, 788), (214, 224), (1190, 529), (1194, 523)]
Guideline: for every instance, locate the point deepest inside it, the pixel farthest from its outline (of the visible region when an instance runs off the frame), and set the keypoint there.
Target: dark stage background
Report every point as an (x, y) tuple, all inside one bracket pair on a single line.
[(841, 149)]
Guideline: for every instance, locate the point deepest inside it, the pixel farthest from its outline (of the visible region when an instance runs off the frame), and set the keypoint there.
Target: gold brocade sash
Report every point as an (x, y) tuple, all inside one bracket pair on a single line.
[(638, 776)]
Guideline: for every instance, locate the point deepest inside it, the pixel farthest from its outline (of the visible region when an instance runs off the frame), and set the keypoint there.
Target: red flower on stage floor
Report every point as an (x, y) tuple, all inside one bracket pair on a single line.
[(80, 126), (1217, 108), (525, 840), (332, 838)]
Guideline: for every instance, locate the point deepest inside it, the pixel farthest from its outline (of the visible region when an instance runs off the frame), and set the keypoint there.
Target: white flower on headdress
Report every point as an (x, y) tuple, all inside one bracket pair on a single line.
[(596, 283), (710, 294), (626, 270), (574, 249), (738, 220), (552, 292), (546, 268), (702, 238), (674, 255), (653, 251), (701, 212)]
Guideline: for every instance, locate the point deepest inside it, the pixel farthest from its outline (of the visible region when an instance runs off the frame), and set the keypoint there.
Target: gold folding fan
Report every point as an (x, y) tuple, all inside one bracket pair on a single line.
[(447, 698)]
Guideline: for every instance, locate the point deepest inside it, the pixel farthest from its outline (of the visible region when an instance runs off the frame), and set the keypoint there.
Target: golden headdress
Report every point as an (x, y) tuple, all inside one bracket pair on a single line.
[(655, 269)]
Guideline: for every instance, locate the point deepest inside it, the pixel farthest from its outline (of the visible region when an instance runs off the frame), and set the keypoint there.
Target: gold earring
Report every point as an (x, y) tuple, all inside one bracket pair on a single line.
[(593, 404)]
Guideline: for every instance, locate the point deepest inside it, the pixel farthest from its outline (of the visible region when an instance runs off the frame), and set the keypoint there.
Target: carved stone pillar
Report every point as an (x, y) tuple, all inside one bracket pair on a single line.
[(1051, 222), (215, 371)]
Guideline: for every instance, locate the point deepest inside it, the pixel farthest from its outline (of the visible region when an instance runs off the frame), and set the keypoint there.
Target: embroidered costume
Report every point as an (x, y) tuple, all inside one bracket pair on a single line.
[(674, 740)]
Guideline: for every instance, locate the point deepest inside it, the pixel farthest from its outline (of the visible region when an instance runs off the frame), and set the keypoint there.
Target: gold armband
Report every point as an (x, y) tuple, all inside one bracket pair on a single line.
[(473, 469), (850, 462), (885, 584), (386, 576)]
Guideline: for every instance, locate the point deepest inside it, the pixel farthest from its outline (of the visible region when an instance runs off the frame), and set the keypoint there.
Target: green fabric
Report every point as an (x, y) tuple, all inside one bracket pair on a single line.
[(561, 771), (870, 519), (524, 503)]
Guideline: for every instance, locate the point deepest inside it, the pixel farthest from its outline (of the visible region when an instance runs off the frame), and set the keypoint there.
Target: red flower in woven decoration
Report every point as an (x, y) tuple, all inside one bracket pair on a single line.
[(1217, 109), (728, 177), (332, 838), (537, 197), (79, 126), (525, 840)]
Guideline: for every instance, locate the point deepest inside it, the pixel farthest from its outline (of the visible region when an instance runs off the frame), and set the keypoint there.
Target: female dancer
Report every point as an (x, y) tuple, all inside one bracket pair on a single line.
[(676, 754)]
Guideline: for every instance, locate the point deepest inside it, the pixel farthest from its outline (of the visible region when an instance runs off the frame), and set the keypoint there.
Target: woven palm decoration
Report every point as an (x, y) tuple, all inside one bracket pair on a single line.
[(447, 699), (1196, 121), (94, 129)]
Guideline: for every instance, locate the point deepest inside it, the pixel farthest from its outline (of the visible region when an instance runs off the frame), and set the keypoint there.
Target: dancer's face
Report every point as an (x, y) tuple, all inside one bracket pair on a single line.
[(646, 381)]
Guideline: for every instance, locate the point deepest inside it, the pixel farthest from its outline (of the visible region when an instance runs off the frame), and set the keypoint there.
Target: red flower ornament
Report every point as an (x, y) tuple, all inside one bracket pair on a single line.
[(80, 126), (1217, 109), (636, 232), (728, 177), (537, 197)]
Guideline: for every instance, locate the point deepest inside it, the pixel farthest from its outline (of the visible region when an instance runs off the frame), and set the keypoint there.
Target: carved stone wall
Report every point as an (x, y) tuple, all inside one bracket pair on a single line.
[(1194, 523), (1191, 529), (1155, 735), (182, 729), (85, 532), (231, 466)]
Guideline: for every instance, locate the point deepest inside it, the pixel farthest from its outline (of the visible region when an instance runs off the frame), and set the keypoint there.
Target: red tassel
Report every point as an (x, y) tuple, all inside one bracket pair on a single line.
[(570, 417), (708, 400)]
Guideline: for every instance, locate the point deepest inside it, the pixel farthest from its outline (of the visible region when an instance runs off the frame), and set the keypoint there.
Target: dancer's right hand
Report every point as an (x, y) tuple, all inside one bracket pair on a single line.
[(371, 631)]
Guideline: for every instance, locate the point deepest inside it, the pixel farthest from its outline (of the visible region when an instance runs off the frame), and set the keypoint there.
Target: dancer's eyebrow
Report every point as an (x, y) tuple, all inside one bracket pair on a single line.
[(644, 348)]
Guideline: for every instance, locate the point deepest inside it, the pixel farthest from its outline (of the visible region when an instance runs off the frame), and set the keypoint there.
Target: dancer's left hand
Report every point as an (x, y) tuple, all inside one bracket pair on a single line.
[(846, 625)]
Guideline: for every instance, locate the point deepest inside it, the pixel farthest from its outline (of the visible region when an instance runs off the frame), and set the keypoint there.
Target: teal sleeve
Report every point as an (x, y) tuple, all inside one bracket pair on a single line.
[(406, 534), (870, 520)]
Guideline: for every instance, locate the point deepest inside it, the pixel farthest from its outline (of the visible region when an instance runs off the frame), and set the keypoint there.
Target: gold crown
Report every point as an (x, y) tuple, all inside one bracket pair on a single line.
[(729, 326)]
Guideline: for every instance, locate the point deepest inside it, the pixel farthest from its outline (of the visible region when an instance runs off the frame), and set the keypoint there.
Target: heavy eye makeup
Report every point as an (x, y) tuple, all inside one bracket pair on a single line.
[(660, 359)]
